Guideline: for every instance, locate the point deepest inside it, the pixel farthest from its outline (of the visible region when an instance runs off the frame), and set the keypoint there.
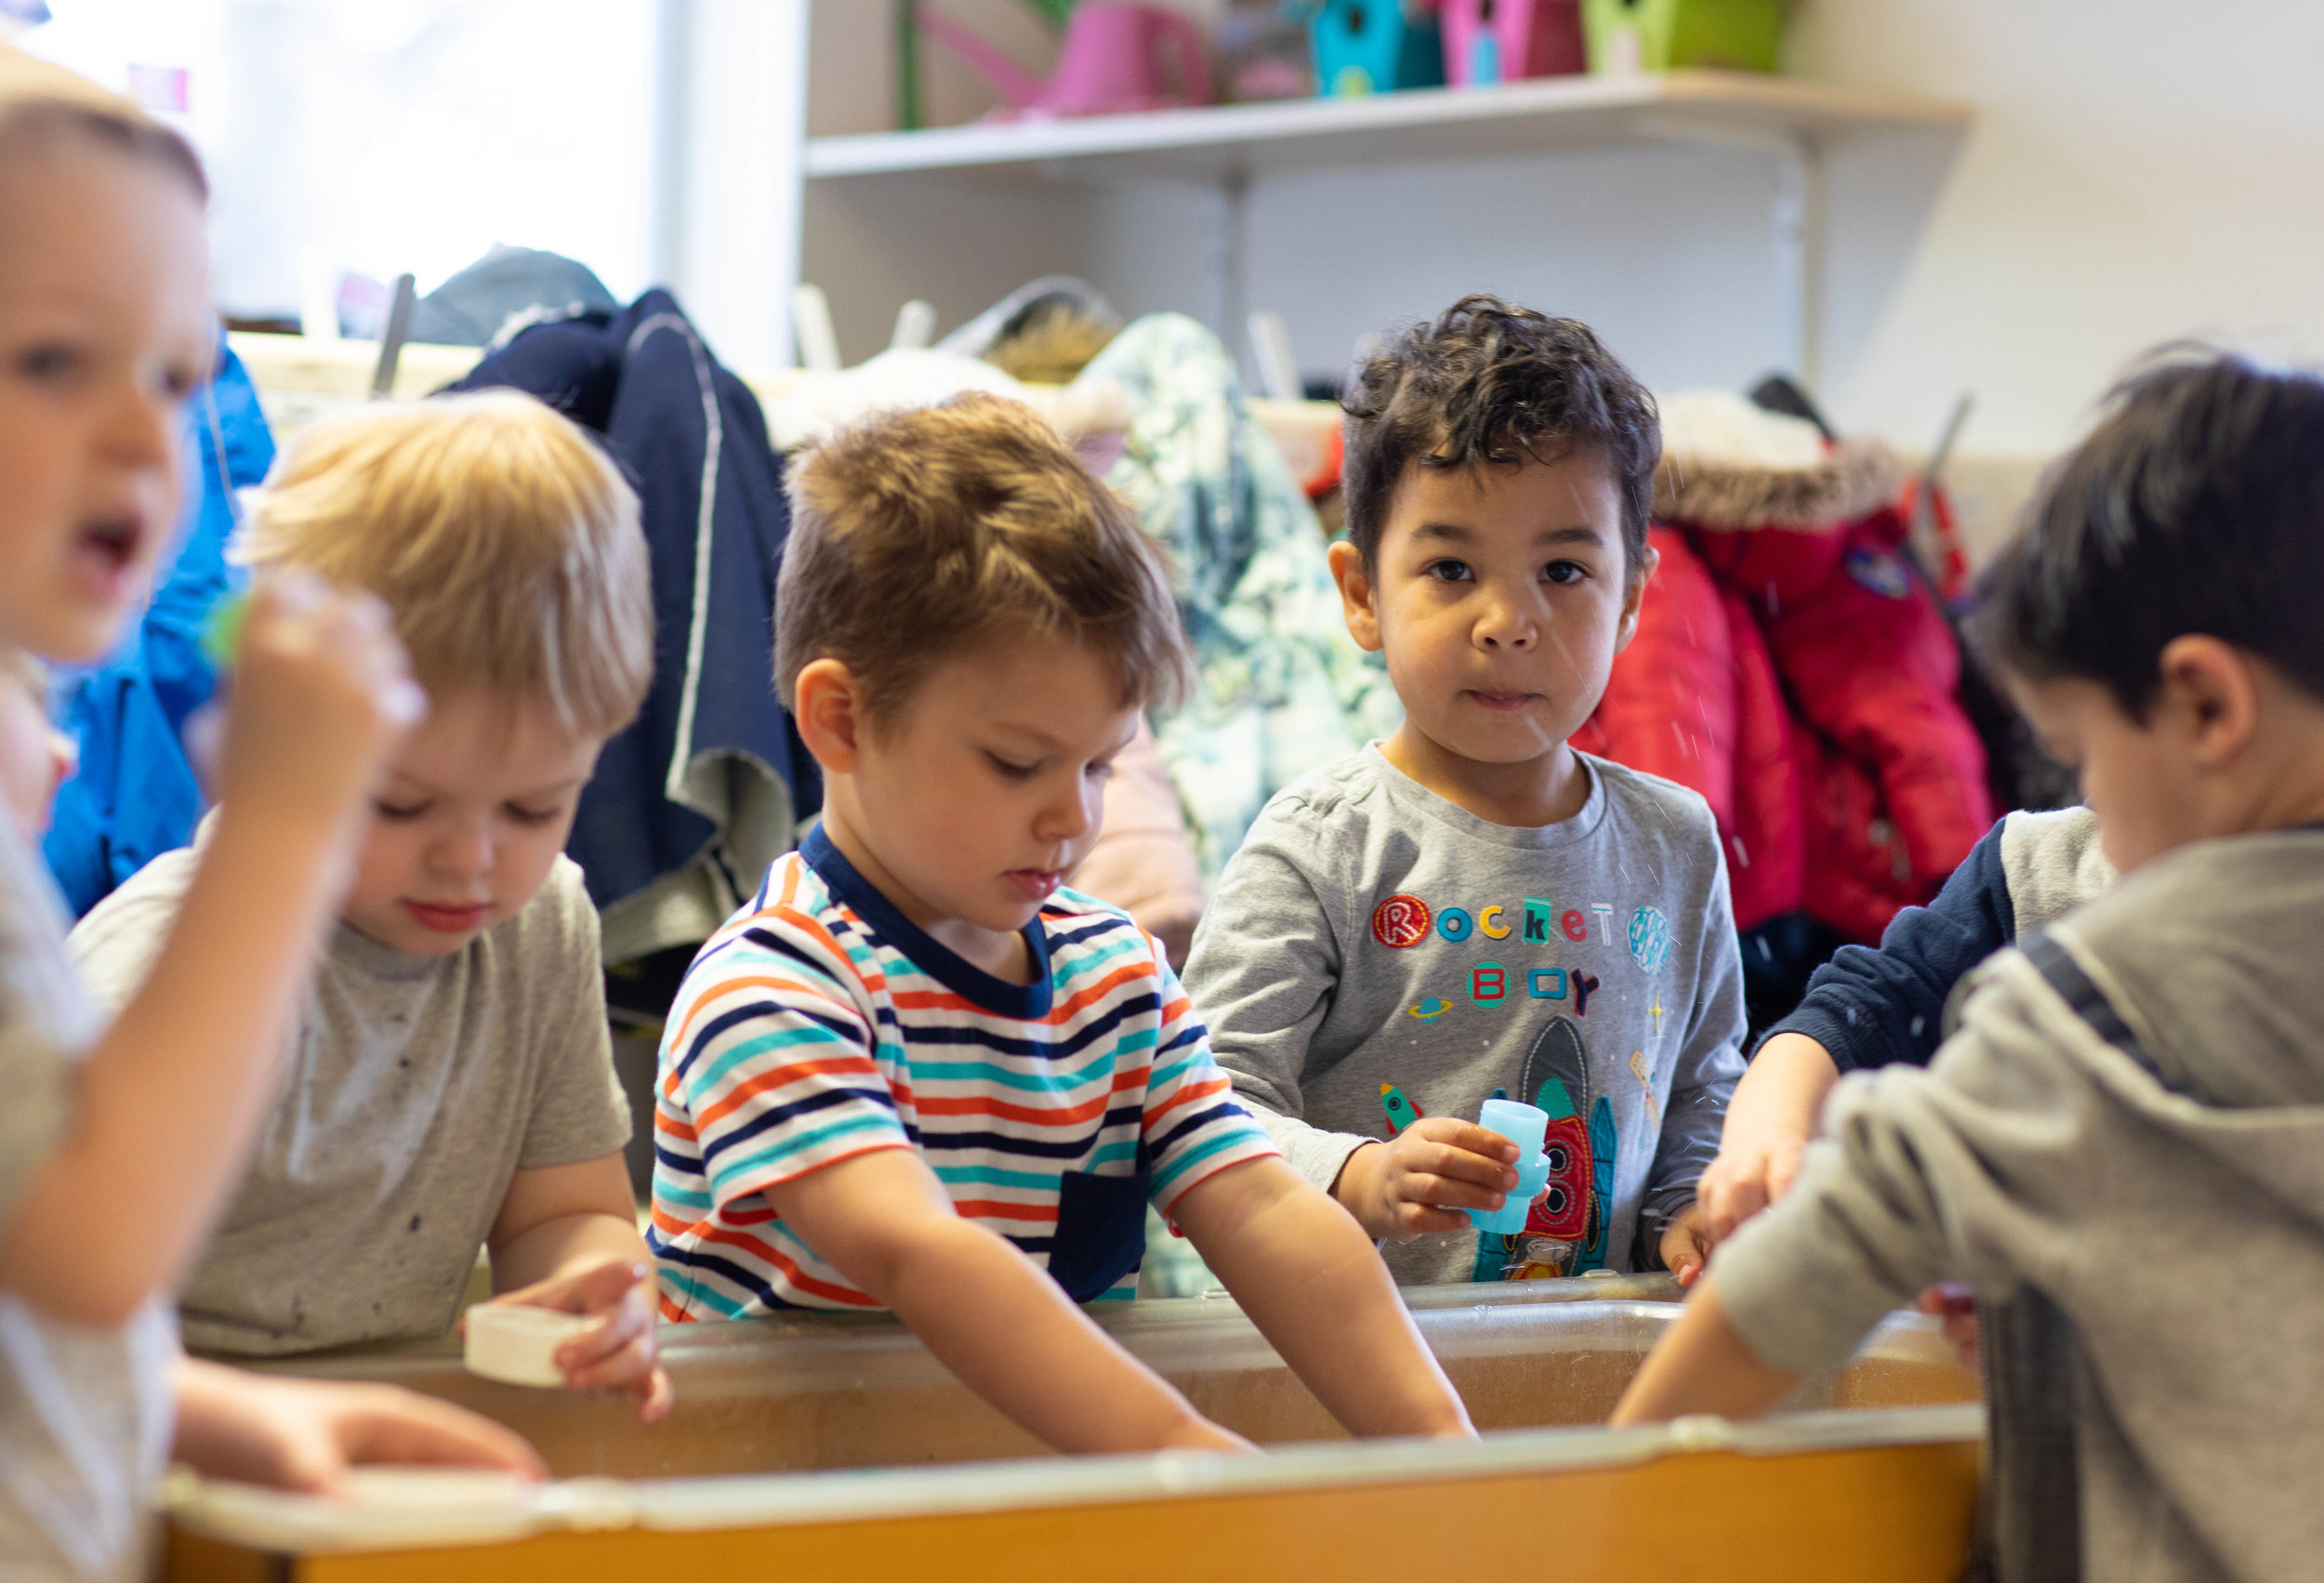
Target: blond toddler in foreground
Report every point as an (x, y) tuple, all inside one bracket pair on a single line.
[(119, 1143)]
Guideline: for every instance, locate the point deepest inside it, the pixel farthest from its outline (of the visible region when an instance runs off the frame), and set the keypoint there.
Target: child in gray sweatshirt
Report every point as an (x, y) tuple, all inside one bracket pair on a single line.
[(2121, 1146), (1471, 907)]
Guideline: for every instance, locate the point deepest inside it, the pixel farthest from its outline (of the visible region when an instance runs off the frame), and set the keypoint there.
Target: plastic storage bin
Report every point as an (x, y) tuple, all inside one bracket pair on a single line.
[(1501, 41), (1364, 47), (1658, 35)]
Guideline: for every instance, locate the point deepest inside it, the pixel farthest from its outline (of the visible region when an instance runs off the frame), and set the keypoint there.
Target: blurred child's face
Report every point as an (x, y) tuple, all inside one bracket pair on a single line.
[(2228, 746), (984, 790), (464, 833), (104, 330), (1500, 601), (2128, 776)]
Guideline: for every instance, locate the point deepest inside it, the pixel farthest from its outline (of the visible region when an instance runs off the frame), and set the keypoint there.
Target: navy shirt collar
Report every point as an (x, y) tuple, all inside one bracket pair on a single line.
[(955, 972)]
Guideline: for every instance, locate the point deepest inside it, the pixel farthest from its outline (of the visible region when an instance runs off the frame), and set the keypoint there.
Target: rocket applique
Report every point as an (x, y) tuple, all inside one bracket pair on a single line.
[(1579, 1202), (1402, 1112)]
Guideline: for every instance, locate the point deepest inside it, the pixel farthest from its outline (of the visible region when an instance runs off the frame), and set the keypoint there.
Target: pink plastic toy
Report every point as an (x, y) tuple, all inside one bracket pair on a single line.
[(1500, 41), (1113, 59)]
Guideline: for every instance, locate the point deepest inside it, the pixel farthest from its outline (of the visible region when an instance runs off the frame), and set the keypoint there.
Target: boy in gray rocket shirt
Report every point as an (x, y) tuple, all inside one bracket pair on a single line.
[(1471, 907)]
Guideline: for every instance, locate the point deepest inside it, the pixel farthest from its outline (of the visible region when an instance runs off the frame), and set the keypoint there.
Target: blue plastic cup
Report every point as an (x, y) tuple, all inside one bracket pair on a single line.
[(1528, 1128)]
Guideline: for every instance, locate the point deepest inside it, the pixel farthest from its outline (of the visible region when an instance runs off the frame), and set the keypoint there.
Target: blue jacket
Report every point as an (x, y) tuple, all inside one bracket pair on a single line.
[(1878, 1007), (134, 796), (708, 783)]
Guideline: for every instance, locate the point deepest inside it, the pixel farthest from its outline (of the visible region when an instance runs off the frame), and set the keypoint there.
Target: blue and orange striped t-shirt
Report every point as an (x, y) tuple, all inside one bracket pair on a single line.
[(819, 1023)]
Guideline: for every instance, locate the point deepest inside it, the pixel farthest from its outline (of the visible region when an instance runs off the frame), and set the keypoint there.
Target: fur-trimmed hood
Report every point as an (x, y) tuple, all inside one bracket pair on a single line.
[(1728, 464)]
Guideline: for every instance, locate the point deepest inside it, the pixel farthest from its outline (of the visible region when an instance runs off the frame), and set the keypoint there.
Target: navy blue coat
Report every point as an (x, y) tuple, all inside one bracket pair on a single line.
[(681, 426)]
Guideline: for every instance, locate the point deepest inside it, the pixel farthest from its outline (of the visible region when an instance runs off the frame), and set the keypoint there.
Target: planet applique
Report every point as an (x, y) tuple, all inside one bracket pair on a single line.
[(1429, 1010), (1649, 939)]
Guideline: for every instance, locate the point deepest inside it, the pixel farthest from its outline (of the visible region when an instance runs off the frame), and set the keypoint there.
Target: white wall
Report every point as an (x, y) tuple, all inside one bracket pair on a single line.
[(2139, 170)]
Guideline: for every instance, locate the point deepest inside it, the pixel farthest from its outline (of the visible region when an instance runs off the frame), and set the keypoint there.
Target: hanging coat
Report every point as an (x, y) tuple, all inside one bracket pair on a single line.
[(705, 789)]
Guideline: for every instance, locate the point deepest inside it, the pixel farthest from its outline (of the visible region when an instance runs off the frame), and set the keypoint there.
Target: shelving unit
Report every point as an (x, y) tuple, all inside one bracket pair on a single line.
[(1541, 116), (1224, 147)]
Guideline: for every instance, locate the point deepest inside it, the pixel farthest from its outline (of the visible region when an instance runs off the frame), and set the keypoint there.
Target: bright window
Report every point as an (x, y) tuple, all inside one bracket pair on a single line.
[(381, 136)]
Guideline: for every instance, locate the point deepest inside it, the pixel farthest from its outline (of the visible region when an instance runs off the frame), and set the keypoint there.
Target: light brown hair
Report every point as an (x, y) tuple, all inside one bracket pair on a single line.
[(42, 105), (505, 542), (918, 533)]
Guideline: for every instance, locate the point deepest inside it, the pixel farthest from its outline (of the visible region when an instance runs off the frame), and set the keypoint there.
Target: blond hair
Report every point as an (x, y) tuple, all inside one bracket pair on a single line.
[(918, 533), (41, 104), (505, 542)]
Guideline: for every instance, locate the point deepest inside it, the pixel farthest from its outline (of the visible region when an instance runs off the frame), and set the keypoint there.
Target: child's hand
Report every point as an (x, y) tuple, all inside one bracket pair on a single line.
[(1686, 1244), (320, 693), (306, 1434), (1959, 1310), (1419, 1181), (1769, 1121), (621, 1354)]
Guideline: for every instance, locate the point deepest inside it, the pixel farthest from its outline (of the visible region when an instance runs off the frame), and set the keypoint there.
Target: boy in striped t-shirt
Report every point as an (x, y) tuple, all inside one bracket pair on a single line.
[(915, 1073)]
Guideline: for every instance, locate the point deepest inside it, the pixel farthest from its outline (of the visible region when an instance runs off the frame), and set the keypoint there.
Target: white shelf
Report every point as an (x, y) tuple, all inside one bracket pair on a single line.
[(1227, 143)]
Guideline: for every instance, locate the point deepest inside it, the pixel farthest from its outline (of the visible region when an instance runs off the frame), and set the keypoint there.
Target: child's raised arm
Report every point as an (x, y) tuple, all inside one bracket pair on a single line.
[(163, 1109), (1309, 1278), (884, 1222)]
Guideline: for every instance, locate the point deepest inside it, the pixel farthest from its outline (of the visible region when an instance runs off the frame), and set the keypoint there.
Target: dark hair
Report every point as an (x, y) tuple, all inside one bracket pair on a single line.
[(2196, 505), (919, 533), (1491, 382)]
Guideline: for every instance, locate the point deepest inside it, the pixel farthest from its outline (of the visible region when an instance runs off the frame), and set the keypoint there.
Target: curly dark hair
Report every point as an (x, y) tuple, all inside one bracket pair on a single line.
[(1488, 381)]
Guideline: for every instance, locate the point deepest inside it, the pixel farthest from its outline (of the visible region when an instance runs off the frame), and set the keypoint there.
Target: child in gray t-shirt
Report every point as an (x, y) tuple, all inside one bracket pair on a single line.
[(451, 1083), (1471, 907)]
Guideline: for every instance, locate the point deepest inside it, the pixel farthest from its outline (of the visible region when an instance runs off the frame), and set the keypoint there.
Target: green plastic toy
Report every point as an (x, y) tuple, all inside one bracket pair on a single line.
[(1660, 36), (223, 634)]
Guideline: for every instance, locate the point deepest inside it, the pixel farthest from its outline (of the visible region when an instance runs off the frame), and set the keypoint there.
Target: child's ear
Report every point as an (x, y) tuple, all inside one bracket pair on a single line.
[(1634, 596), (828, 705), (2213, 689), (1358, 597)]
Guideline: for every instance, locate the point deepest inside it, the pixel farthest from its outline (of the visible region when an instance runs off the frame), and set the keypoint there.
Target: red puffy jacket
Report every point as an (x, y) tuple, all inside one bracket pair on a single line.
[(1795, 672), (1695, 699)]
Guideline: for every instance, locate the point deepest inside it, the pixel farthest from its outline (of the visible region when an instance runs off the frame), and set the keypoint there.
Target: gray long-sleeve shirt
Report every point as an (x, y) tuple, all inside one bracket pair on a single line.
[(1373, 944), (2184, 1239)]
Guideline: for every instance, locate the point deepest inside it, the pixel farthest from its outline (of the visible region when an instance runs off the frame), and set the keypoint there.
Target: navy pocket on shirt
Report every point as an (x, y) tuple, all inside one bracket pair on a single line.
[(1100, 1232)]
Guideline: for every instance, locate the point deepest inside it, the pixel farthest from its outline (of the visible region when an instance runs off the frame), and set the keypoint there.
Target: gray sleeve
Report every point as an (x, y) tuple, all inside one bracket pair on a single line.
[(44, 1024), (2054, 863), (1266, 960), (578, 1110), (1709, 1063), (1967, 1170), (37, 1078)]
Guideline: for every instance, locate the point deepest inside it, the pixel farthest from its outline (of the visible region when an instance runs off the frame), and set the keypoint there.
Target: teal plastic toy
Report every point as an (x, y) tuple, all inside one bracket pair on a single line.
[(1366, 46), (1527, 1126)]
